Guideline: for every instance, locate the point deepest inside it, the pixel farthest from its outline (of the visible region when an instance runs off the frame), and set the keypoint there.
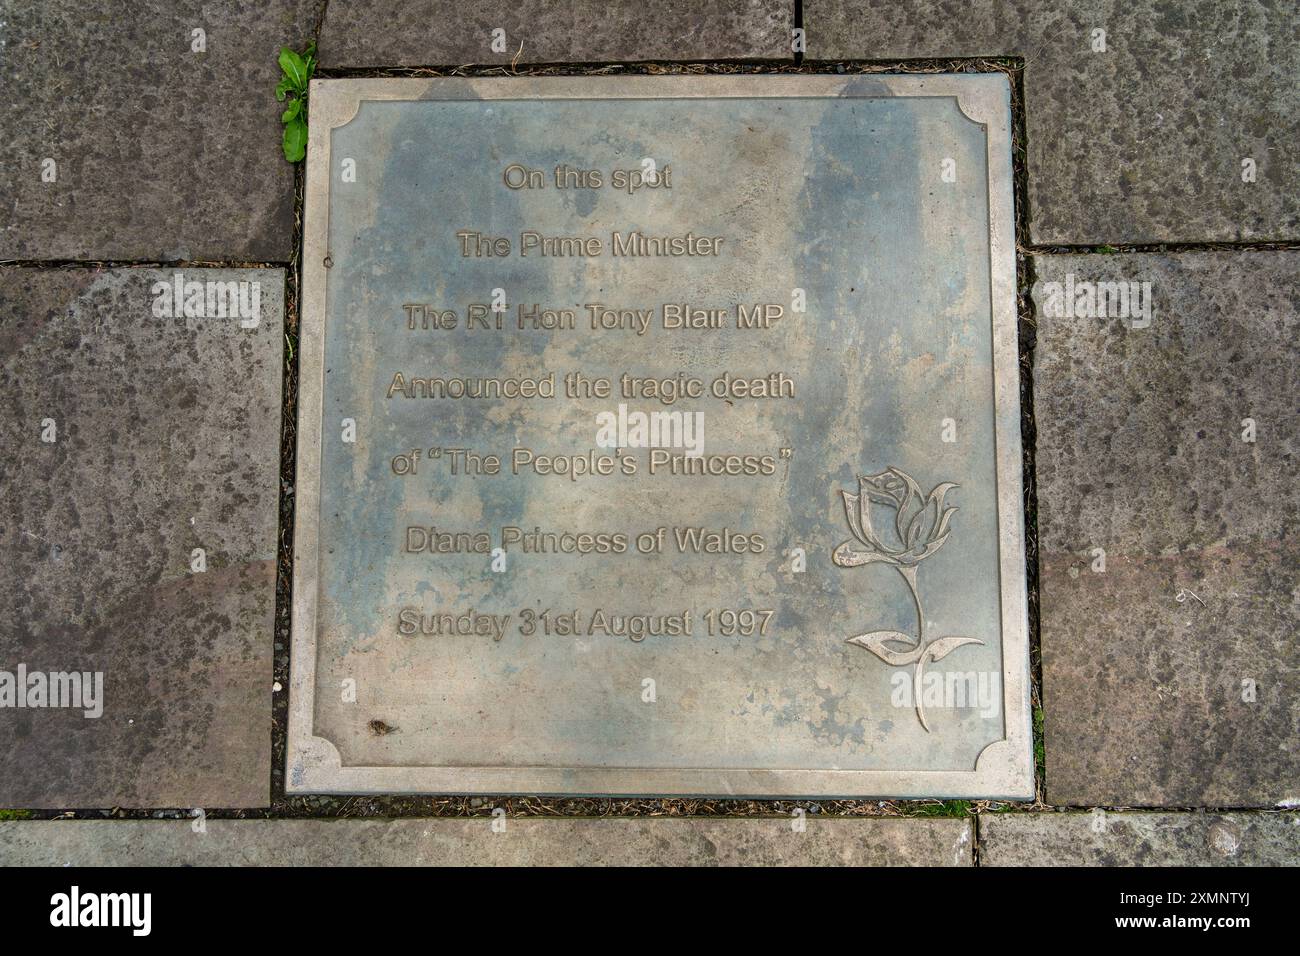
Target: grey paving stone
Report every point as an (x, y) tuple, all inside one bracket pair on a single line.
[(1148, 666), (659, 841), (359, 33), (1141, 143), (159, 152), (165, 438), (1140, 839), (908, 29)]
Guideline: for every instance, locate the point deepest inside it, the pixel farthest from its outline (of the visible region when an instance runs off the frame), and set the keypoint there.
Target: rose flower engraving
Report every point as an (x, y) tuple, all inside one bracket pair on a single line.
[(893, 522)]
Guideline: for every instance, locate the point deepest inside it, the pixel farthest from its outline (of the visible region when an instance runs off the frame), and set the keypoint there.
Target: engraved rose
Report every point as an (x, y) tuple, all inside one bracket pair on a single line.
[(916, 529), (908, 526)]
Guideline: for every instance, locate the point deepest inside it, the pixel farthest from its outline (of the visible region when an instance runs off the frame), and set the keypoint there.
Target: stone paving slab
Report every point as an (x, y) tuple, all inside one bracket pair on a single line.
[(1172, 676), (159, 152), (132, 439), (1141, 143), (372, 33), (1140, 839), (659, 841)]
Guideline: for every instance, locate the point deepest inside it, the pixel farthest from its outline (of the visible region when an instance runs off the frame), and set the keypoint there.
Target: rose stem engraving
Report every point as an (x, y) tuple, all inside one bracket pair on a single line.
[(921, 524)]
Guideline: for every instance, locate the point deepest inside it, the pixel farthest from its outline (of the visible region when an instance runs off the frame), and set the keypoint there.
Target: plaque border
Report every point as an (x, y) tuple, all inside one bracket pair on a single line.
[(1003, 770)]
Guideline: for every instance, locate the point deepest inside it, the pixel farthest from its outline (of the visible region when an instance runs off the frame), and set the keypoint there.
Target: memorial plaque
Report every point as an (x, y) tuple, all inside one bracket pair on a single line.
[(660, 435)]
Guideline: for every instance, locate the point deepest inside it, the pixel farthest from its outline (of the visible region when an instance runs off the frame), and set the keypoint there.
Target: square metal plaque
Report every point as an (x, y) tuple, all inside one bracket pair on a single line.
[(660, 435)]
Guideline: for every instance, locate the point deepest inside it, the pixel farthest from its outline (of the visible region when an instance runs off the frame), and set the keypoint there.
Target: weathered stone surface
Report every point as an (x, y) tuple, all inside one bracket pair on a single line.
[(1149, 665), (1141, 143), (660, 841), (165, 439), (1138, 839), (443, 32), (893, 30), (160, 152)]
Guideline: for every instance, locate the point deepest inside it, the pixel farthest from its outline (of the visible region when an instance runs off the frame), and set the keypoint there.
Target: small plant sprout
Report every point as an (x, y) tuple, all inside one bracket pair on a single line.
[(295, 73)]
